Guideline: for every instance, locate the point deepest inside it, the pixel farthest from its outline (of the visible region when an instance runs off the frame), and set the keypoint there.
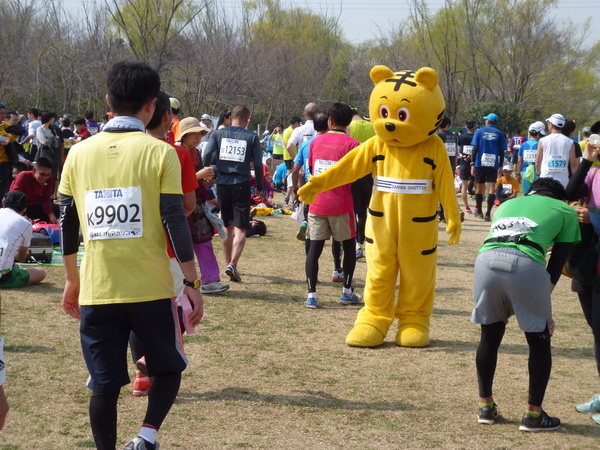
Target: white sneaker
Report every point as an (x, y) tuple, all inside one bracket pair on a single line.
[(337, 276), (214, 288)]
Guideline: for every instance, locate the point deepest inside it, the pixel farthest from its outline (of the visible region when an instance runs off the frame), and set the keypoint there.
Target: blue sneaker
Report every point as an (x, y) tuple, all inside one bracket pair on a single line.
[(360, 253), (351, 299), (301, 235), (593, 406), (311, 303)]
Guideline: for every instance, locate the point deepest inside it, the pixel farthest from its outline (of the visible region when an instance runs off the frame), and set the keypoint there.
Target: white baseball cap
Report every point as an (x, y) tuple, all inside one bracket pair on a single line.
[(205, 117), (538, 127), (557, 120)]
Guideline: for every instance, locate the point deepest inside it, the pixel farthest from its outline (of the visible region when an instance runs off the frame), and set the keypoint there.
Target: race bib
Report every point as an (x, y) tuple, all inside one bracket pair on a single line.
[(529, 156), (512, 226), (507, 189), (451, 148), (233, 150), (279, 142), (488, 160), (467, 150), (114, 213), (3, 253), (321, 165), (556, 164), (397, 186)]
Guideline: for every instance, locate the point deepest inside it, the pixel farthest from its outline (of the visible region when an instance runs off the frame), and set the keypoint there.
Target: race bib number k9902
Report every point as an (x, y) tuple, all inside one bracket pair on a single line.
[(114, 213), (233, 150)]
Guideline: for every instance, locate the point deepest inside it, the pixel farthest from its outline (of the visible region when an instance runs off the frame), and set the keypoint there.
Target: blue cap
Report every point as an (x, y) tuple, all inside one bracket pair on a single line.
[(491, 117)]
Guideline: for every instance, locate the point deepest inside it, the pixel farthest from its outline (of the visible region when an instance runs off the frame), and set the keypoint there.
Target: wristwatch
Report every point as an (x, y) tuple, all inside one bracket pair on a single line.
[(196, 284)]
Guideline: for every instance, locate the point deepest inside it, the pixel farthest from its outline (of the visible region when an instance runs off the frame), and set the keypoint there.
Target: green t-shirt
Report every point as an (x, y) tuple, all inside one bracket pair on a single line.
[(361, 130), (543, 220), (278, 146)]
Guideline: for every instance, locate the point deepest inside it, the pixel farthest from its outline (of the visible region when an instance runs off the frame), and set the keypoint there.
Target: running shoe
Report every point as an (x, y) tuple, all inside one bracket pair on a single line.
[(596, 418), (593, 406), (301, 235), (487, 218), (232, 272), (360, 252), (137, 443), (542, 423), (311, 303), (140, 365), (337, 276), (468, 210), (478, 214), (487, 414), (214, 288), (496, 202), (352, 299), (141, 385)]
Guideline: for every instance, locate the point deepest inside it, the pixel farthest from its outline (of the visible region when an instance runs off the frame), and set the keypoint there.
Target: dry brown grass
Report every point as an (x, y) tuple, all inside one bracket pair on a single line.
[(266, 372)]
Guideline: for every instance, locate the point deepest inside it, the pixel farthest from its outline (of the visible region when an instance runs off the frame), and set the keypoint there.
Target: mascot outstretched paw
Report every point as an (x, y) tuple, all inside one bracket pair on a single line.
[(412, 335), (364, 335)]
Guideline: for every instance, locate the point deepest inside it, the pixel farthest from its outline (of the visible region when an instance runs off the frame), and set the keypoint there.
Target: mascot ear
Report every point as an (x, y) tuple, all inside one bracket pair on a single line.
[(426, 76), (379, 73)]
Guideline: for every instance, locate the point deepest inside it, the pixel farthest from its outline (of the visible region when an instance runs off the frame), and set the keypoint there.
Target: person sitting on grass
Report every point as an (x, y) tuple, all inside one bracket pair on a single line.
[(507, 186), (15, 239)]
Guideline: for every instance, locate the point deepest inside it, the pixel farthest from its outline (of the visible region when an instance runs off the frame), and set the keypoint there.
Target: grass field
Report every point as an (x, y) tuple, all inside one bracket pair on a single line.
[(265, 372)]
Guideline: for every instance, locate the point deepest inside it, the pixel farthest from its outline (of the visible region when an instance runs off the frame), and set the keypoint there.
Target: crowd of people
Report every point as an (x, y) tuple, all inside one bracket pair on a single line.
[(147, 189)]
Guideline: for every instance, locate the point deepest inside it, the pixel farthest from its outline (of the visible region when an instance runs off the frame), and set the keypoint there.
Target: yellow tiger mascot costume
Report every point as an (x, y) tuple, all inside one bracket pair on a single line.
[(411, 172)]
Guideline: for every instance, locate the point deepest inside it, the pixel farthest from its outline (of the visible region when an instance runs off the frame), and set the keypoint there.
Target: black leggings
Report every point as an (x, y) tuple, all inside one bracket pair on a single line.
[(103, 409), (312, 263), (540, 361), (589, 297)]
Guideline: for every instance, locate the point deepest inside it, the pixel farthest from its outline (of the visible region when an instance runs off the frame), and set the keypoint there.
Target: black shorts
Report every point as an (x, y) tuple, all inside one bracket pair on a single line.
[(465, 170), (234, 202), (289, 164), (279, 156), (104, 332), (485, 175)]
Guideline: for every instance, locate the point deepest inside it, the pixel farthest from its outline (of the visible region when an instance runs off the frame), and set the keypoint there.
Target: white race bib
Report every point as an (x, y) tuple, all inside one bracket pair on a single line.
[(467, 150), (488, 160), (3, 253), (507, 189), (529, 156), (394, 185), (279, 142), (451, 148), (321, 165), (114, 213), (233, 150), (556, 164), (512, 226)]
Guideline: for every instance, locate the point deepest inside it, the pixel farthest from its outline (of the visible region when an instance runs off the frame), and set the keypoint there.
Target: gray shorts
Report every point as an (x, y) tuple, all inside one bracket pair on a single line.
[(508, 282)]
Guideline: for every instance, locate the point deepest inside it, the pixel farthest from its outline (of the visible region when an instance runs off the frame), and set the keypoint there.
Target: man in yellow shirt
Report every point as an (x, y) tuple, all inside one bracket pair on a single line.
[(120, 186)]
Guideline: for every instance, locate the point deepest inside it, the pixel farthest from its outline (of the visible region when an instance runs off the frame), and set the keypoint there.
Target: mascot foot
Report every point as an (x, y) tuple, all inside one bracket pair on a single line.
[(412, 335), (364, 335)]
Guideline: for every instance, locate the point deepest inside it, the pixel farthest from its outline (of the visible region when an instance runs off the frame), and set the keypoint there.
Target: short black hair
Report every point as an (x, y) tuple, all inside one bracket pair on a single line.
[(568, 127), (46, 116), (89, 115), (445, 122), (340, 113), (130, 85), (42, 161), (470, 124), (20, 166), (66, 121), (548, 187), (79, 121), (11, 112), (295, 119), (320, 122), (163, 104), (16, 200), (35, 112)]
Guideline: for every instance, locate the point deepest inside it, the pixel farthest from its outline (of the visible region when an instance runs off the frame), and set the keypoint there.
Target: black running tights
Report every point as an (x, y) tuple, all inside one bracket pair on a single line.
[(540, 361), (312, 262), (103, 409)]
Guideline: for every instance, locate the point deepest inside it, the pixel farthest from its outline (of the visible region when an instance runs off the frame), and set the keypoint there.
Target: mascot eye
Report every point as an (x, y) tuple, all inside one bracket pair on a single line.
[(402, 114), (383, 112)]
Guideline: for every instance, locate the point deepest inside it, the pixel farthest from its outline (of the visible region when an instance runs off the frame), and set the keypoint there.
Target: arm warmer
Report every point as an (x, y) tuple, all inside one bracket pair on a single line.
[(577, 188), (474, 154), (69, 225), (176, 226), (560, 251)]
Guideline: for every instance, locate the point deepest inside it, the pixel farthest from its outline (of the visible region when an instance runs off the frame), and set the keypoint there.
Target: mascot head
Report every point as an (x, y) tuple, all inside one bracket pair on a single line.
[(405, 107)]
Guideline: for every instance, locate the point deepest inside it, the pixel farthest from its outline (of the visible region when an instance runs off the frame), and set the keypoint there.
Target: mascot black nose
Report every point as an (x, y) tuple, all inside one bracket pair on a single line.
[(390, 127)]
